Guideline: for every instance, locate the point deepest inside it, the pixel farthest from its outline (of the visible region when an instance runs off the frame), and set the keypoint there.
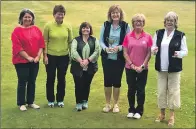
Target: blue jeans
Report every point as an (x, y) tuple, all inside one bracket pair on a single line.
[(27, 74)]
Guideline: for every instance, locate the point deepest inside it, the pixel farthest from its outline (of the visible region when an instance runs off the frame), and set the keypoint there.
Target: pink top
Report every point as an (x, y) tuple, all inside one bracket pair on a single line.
[(29, 40), (137, 48)]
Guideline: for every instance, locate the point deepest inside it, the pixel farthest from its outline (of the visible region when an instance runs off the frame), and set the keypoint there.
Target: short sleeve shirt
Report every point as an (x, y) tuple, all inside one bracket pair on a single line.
[(137, 48)]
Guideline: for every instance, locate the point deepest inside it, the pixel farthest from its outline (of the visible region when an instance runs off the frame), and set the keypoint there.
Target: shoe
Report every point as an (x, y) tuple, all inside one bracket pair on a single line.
[(130, 115), (23, 108), (60, 104), (34, 106), (116, 108), (160, 118), (79, 107), (137, 116), (107, 108), (51, 104), (85, 104), (171, 122)]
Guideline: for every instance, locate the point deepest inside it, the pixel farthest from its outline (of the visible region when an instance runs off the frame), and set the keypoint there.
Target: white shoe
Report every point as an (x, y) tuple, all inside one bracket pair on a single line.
[(34, 106), (23, 108), (116, 108), (107, 108), (137, 116), (130, 115)]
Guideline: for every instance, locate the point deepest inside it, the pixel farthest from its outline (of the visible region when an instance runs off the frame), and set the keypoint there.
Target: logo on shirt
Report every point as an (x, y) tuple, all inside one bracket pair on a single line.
[(143, 42)]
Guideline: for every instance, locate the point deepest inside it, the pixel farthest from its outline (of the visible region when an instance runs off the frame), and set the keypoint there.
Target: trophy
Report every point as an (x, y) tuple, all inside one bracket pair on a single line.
[(110, 42)]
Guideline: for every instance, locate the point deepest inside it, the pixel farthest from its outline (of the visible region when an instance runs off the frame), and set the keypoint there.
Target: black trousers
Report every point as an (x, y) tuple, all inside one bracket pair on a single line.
[(112, 71), (59, 63), (136, 87), (82, 86), (27, 74)]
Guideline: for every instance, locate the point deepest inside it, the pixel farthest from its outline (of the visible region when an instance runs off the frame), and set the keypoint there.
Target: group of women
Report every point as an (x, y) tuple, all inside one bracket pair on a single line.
[(121, 47)]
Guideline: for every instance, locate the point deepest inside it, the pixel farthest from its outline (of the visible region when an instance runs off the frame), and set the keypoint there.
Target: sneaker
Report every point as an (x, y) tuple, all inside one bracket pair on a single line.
[(137, 116), (60, 104), (34, 106), (85, 104), (79, 107), (51, 104), (130, 115), (107, 108), (23, 108), (116, 108)]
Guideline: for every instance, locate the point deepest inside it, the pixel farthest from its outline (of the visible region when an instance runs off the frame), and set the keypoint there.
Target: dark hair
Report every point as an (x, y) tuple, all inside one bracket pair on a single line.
[(22, 13), (59, 8), (85, 24)]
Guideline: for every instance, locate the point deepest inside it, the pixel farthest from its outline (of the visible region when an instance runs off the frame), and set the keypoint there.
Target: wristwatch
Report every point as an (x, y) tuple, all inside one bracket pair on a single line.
[(142, 66)]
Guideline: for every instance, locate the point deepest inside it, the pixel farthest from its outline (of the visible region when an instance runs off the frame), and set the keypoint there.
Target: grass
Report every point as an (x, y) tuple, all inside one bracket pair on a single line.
[(95, 12)]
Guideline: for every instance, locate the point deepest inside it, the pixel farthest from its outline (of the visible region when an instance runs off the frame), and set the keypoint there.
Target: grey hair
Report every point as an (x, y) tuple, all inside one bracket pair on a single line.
[(174, 16)]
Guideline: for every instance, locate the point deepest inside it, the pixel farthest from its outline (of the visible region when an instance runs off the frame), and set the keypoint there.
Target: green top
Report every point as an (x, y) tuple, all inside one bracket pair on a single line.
[(85, 51), (58, 38)]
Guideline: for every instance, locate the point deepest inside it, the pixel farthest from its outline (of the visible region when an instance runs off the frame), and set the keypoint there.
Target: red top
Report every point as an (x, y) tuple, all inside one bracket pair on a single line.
[(29, 40), (137, 48)]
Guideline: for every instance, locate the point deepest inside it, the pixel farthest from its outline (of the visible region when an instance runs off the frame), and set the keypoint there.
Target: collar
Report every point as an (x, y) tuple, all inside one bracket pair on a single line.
[(171, 34), (132, 34)]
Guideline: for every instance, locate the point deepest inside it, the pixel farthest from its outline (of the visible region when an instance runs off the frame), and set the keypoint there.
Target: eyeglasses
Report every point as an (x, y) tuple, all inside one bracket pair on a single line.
[(140, 21), (169, 20)]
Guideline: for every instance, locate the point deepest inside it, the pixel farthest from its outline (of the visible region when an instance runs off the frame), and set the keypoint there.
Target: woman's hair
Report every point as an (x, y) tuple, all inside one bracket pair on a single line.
[(173, 15), (85, 24), (22, 13), (59, 8), (140, 16), (113, 8)]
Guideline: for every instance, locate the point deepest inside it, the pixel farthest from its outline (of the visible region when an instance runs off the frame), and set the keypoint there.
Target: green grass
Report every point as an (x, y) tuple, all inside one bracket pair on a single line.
[(95, 13)]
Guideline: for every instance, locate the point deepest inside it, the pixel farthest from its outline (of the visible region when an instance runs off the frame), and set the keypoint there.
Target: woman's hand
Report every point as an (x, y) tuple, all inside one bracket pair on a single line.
[(85, 62), (45, 60), (37, 58), (30, 59), (138, 69), (115, 49), (155, 50)]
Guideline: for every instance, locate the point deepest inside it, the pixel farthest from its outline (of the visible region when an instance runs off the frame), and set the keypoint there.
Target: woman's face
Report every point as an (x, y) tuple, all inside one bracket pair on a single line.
[(27, 19), (115, 15), (86, 30), (59, 16), (138, 23), (170, 23)]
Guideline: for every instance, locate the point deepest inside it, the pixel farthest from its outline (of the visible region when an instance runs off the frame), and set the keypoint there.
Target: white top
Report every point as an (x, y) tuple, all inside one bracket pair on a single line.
[(164, 55)]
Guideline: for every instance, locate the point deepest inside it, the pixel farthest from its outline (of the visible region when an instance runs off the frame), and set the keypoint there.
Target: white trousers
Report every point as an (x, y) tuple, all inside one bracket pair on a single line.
[(169, 90)]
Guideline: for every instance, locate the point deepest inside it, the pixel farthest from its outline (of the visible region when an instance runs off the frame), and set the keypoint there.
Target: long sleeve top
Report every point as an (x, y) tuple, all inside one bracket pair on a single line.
[(114, 35), (58, 38), (165, 48), (85, 51), (28, 39)]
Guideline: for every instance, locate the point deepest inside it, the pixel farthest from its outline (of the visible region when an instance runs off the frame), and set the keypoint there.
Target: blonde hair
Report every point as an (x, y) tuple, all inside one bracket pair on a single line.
[(115, 7), (173, 15), (140, 16)]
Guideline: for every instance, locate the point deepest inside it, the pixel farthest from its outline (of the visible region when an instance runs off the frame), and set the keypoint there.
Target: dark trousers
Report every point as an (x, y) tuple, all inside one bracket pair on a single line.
[(59, 63), (27, 74), (82, 86), (136, 86)]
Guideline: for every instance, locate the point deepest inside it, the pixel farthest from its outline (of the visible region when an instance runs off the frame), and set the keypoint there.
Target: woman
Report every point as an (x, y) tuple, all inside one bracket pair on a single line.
[(84, 54), (169, 46), (137, 52), (112, 34), (27, 47), (58, 37)]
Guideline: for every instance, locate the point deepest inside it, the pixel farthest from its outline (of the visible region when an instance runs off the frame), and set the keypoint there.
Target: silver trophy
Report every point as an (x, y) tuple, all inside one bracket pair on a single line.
[(110, 42)]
